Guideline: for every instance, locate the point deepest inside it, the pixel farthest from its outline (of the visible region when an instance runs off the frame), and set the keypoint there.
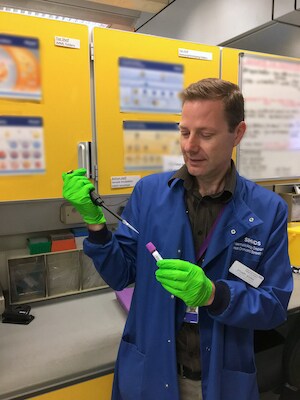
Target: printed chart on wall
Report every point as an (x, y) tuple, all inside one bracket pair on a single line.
[(270, 148), (149, 86), (151, 146), (19, 68), (21, 146)]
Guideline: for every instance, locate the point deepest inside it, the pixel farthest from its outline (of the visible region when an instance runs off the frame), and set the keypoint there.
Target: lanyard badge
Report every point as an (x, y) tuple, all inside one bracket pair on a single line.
[(191, 315)]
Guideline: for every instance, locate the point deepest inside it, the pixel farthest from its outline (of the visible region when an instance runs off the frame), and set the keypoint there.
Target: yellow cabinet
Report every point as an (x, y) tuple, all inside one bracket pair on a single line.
[(110, 46), (64, 106), (94, 389)]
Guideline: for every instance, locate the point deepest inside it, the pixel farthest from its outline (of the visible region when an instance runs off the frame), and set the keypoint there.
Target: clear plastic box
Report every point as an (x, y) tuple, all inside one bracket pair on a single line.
[(27, 279), (63, 273)]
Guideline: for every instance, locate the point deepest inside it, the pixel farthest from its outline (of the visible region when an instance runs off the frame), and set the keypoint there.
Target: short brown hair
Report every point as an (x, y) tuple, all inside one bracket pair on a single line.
[(218, 89)]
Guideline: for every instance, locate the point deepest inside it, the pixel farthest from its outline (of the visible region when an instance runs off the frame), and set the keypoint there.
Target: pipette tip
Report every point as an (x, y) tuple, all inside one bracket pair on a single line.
[(129, 226)]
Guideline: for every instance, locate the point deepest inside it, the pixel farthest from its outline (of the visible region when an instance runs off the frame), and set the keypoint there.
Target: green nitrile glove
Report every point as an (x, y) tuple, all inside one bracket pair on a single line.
[(184, 280), (76, 190)]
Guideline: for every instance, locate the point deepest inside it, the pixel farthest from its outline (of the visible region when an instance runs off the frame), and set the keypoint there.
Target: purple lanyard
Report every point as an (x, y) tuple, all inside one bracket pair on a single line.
[(207, 240)]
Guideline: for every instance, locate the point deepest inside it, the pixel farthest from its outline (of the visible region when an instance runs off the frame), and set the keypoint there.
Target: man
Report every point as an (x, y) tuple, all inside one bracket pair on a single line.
[(224, 246)]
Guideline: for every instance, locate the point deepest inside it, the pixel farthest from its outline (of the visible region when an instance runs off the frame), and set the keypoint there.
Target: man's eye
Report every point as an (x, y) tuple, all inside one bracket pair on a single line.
[(184, 133), (207, 135)]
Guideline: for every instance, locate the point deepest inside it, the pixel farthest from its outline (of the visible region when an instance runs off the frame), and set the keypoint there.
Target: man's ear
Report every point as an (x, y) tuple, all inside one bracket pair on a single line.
[(239, 132)]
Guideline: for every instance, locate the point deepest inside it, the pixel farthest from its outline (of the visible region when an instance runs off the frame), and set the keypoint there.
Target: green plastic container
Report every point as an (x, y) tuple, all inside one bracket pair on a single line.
[(39, 245)]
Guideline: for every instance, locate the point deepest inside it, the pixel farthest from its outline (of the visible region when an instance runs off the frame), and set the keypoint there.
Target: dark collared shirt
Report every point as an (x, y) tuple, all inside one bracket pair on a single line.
[(202, 212)]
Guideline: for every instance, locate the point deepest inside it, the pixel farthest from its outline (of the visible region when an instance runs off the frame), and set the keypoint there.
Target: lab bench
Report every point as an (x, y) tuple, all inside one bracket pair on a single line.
[(71, 340), (69, 348)]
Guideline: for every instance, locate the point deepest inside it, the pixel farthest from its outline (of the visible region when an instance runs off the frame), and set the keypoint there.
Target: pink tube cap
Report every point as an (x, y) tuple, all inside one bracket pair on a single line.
[(150, 247)]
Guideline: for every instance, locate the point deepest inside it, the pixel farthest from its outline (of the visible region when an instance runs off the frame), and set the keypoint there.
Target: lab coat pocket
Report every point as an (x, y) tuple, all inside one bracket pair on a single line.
[(131, 371), (239, 385)]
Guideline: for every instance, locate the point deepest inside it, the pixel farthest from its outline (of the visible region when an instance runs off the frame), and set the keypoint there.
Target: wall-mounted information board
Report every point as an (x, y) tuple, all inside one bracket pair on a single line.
[(270, 148)]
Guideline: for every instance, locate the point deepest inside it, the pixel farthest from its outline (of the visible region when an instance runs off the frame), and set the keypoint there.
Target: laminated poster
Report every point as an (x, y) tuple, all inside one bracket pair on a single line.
[(21, 146), (151, 146), (271, 147), (19, 68), (149, 86)]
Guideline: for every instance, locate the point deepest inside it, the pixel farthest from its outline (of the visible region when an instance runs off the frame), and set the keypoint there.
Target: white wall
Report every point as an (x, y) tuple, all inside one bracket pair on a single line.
[(279, 39), (209, 21), (267, 26)]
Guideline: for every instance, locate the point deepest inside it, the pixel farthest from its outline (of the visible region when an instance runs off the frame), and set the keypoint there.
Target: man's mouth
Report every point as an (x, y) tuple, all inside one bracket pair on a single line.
[(193, 160)]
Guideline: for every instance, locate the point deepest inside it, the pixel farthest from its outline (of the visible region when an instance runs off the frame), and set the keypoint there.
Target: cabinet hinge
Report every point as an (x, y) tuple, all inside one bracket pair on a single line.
[(92, 51), (96, 172)]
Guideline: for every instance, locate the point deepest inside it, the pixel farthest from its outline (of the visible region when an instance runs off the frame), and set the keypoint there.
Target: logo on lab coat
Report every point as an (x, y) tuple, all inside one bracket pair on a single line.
[(249, 245)]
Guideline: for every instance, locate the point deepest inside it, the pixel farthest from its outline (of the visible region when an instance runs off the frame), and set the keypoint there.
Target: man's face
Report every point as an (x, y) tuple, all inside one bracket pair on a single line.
[(205, 140)]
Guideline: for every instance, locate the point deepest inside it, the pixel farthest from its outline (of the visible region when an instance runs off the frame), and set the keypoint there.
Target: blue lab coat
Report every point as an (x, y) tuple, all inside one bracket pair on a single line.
[(251, 230)]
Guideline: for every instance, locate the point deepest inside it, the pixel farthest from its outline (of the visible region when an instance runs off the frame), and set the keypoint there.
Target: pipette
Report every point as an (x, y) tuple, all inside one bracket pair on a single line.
[(96, 199)]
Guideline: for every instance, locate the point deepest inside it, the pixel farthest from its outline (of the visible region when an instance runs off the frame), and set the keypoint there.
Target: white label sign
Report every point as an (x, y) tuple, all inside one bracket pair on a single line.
[(246, 274), (124, 181), (200, 55), (67, 42)]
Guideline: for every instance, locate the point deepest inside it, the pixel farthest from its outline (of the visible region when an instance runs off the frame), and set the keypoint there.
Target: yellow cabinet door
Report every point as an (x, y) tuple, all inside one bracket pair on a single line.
[(64, 106), (109, 47), (94, 389)]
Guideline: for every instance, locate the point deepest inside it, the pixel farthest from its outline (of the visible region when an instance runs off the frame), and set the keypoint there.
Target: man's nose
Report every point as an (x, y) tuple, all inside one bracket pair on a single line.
[(193, 143)]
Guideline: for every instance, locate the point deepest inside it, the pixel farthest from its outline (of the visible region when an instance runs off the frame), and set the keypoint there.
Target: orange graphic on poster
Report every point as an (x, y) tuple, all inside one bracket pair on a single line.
[(20, 75), (28, 69), (3, 71)]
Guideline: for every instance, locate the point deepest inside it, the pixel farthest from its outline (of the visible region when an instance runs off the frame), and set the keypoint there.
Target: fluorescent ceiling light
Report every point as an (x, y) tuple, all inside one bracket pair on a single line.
[(52, 16)]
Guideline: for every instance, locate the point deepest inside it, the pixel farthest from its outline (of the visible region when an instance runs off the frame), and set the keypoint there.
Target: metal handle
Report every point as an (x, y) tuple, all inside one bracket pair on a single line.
[(84, 158)]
